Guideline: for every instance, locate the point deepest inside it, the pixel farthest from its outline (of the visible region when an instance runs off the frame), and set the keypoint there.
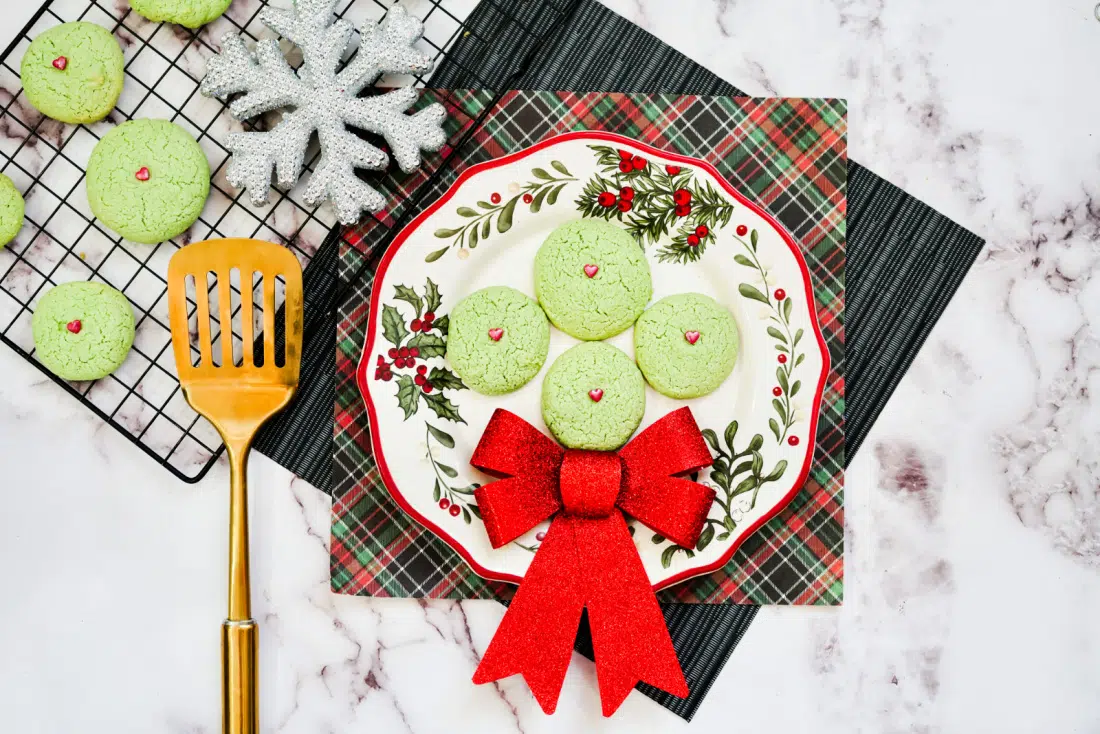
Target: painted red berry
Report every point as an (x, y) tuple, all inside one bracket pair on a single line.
[(415, 325), (625, 155), (782, 359), (702, 231), (672, 170), (410, 361), (626, 193), (399, 363), (777, 391), (540, 536), (414, 351), (495, 198), (60, 63), (626, 166), (793, 440), (381, 360), (386, 377), (421, 369), (682, 210), (428, 387), (639, 163), (142, 174), (403, 352), (444, 503), (624, 206), (527, 198), (780, 294), (393, 353), (693, 240), (429, 316), (419, 380), (681, 196), (742, 230), (455, 510), (606, 200)]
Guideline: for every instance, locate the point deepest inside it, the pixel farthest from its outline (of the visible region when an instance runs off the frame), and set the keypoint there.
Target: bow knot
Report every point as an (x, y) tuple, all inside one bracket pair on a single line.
[(588, 558)]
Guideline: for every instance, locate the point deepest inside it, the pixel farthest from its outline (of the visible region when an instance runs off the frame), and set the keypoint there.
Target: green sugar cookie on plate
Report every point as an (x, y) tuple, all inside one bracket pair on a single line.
[(593, 397), (592, 279), (188, 13), (82, 330), (11, 210), (148, 180), (686, 345), (73, 72), (497, 340)]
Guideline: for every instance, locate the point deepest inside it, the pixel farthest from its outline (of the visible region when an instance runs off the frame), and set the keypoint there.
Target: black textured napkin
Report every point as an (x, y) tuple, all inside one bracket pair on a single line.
[(904, 262)]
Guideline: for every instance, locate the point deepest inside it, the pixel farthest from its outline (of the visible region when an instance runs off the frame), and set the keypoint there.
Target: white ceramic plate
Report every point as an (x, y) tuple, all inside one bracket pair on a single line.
[(485, 231)]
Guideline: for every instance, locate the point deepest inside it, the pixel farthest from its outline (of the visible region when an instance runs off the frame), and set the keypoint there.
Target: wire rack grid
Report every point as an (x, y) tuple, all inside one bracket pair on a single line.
[(61, 241)]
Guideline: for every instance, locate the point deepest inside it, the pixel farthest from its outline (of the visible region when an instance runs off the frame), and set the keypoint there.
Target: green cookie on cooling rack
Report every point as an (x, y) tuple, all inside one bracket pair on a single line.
[(148, 180), (73, 72), (189, 13), (82, 330), (11, 210)]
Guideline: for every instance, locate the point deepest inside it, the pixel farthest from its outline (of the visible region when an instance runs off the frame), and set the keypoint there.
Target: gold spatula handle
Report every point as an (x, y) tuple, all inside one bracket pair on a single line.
[(240, 699)]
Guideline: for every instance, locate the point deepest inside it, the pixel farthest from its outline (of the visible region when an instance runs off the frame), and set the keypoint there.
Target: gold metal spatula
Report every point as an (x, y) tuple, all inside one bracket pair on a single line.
[(237, 398)]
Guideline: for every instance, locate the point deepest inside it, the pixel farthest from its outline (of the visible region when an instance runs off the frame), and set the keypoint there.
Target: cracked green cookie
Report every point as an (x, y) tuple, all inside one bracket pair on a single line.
[(593, 397), (82, 331), (189, 13), (686, 345), (11, 210), (497, 340), (148, 180), (592, 279), (73, 72)]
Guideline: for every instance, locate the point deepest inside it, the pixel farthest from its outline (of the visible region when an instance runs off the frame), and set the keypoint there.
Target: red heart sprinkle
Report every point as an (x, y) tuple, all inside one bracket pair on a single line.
[(74, 326), (496, 334), (60, 63), (591, 270), (691, 336), (142, 174), (596, 395)]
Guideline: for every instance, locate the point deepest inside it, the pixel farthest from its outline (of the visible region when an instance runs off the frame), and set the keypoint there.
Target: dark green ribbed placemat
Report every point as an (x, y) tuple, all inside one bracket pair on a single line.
[(905, 262)]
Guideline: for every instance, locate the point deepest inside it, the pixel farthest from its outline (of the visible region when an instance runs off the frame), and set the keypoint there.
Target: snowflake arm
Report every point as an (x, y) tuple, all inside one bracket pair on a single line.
[(236, 69), (386, 46), (405, 134)]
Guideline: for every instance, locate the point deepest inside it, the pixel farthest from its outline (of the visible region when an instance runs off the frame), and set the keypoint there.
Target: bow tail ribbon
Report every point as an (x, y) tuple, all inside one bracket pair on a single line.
[(588, 557)]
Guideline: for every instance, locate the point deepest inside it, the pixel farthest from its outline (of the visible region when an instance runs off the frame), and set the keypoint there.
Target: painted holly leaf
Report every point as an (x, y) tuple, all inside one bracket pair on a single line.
[(432, 299), (751, 291), (705, 537), (431, 257), (442, 436), (776, 334), (777, 471), (712, 438), (448, 470), (430, 345), (775, 427), (443, 323), (407, 394), (442, 406), (408, 295), (560, 168), (437, 492), (443, 379), (731, 433), (393, 326), (504, 222)]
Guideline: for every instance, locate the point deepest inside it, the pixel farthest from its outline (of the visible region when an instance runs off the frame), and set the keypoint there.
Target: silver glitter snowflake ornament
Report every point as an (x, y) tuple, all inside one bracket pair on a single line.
[(326, 102)]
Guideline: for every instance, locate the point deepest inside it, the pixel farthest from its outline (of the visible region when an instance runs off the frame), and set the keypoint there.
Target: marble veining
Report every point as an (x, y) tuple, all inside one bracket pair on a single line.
[(973, 540)]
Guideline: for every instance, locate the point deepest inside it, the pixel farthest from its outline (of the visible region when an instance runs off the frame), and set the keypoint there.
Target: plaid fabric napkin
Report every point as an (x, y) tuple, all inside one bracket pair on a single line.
[(790, 155)]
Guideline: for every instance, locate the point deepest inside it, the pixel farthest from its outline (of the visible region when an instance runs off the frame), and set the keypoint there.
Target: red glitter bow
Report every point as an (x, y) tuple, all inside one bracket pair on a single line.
[(588, 558)]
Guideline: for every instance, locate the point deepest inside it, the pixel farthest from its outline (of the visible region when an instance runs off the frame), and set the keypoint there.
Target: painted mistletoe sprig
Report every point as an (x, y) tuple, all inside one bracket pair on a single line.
[(653, 201)]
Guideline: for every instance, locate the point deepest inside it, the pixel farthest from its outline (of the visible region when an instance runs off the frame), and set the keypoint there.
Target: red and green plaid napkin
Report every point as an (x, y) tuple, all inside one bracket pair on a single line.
[(791, 155)]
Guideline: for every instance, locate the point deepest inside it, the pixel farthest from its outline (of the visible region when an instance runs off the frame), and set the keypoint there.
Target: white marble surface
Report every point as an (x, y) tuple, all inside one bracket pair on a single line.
[(973, 516)]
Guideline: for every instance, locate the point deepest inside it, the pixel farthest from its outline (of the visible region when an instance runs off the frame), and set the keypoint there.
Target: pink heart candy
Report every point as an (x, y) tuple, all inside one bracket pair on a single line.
[(591, 270), (496, 334), (691, 336), (596, 395)]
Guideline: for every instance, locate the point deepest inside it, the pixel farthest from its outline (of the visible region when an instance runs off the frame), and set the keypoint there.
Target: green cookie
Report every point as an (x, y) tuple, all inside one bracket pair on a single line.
[(190, 13), (148, 180), (82, 330), (11, 210), (592, 279), (686, 345), (497, 340), (593, 397), (73, 72)]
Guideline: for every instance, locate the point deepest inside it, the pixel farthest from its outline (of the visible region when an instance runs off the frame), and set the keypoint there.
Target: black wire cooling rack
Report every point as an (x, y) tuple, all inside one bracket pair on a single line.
[(61, 241)]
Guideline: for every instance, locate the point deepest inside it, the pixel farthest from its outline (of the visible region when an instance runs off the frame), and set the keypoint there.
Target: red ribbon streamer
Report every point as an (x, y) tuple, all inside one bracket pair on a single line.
[(588, 558)]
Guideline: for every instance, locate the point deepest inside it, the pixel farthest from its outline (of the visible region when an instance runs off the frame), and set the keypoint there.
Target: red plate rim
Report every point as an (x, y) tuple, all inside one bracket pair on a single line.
[(406, 232)]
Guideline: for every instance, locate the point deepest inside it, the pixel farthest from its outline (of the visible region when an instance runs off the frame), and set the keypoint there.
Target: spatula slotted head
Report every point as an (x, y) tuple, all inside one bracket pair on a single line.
[(236, 394)]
